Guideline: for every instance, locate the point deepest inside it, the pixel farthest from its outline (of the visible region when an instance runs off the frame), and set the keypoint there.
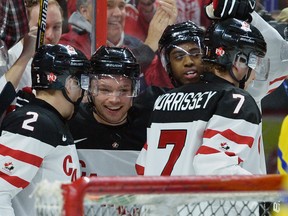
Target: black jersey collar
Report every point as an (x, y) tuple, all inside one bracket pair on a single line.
[(44, 104), (211, 77)]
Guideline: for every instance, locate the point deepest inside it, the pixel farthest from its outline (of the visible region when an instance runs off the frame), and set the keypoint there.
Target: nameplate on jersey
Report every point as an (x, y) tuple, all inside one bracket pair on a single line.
[(180, 101)]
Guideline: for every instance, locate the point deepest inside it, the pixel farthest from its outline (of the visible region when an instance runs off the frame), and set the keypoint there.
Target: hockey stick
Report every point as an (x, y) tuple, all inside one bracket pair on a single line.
[(41, 23)]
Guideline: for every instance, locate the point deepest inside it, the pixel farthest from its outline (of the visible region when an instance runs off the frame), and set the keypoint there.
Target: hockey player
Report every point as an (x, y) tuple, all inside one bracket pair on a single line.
[(177, 42), (36, 143), (114, 132)]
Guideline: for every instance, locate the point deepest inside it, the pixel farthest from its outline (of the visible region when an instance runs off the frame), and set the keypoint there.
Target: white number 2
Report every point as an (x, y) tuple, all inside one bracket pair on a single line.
[(26, 123), (241, 101)]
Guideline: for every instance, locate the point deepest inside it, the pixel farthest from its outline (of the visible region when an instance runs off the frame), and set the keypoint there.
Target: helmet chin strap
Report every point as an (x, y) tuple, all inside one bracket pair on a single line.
[(243, 80), (75, 104)]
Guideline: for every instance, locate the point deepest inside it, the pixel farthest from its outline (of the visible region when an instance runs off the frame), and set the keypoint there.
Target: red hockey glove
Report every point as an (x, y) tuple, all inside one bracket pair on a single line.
[(222, 9)]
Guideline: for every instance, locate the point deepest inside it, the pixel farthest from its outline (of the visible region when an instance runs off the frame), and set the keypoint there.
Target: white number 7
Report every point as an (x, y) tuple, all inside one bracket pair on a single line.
[(241, 101)]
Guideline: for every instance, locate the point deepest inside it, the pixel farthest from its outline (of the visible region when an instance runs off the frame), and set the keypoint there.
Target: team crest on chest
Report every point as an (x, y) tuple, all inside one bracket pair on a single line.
[(8, 167), (224, 146), (115, 145)]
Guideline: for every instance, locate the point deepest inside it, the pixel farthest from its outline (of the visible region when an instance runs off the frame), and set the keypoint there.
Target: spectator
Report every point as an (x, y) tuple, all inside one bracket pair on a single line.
[(79, 35), (63, 5), (52, 34), (194, 11), (283, 16), (138, 18), (16, 25), (71, 7), (35, 141)]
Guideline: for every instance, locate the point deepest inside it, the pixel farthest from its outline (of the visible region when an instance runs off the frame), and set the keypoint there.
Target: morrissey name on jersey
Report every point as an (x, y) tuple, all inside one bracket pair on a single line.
[(183, 101)]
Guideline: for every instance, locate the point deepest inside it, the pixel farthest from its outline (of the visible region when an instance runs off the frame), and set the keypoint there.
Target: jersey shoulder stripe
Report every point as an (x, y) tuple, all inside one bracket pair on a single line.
[(39, 123), (21, 155), (14, 180)]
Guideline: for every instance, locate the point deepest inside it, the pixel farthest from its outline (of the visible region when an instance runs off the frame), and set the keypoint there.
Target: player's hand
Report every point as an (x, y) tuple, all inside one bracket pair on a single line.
[(30, 42), (222, 9)]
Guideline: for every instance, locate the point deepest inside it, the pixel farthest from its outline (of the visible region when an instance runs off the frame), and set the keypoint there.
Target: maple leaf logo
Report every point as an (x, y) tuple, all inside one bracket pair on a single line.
[(224, 146), (9, 166)]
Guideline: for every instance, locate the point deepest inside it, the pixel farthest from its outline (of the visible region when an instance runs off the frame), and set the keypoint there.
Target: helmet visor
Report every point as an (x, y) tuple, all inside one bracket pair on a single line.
[(261, 66), (195, 52), (108, 85), (284, 51), (84, 82)]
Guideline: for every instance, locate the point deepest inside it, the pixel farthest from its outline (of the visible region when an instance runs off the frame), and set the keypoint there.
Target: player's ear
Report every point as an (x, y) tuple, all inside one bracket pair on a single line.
[(70, 83)]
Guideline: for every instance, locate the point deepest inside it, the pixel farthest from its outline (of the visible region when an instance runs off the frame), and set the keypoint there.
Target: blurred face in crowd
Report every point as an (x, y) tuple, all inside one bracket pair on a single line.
[(116, 20), (111, 96), (186, 63), (53, 22), (87, 10)]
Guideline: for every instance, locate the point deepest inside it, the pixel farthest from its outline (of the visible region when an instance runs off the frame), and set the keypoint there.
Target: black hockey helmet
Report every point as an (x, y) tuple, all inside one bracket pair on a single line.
[(112, 61), (225, 38), (115, 61), (177, 34), (52, 64)]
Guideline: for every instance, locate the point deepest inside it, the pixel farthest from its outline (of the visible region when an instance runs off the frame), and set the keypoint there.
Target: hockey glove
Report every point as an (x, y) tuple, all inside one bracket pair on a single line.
[(24, 96), (239, 9)]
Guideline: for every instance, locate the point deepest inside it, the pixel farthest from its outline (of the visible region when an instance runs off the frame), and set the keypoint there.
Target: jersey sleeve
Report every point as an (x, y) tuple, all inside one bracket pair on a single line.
[(278, 58), (231, 139), (21, 156)]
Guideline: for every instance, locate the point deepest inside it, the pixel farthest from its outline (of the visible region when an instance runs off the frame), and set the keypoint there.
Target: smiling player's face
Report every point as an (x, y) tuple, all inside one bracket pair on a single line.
[(112, 99)]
